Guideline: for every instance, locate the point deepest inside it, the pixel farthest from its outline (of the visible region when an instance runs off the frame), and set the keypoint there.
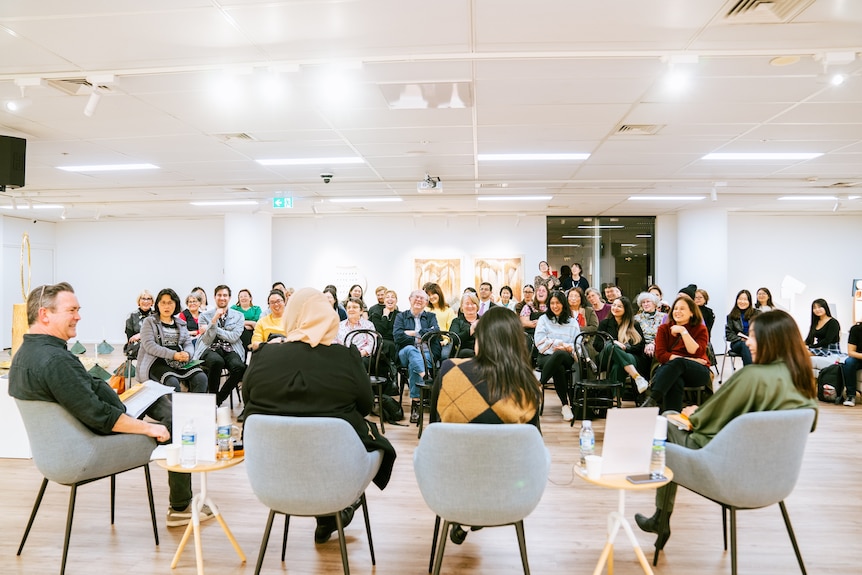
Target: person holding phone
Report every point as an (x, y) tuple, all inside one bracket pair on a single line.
[(780, 377)]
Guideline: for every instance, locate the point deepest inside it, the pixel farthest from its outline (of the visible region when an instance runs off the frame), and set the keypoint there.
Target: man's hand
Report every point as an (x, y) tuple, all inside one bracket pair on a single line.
[(159, 432)]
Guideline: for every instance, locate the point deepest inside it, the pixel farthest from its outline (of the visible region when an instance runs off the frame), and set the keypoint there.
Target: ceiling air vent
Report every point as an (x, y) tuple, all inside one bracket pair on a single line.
[(639, 129), (76, 86), (844, 184), (764, 11), (492, 185), (236, 137)]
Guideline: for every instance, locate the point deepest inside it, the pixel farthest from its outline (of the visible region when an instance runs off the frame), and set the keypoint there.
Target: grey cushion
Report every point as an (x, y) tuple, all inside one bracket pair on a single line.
[(753, 462), (306, 465), (65, 451), (481, 474)]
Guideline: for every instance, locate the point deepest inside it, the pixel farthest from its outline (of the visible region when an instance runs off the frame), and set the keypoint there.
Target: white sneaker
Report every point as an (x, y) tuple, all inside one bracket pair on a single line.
[(567, 413), (184, 517), (850, 401), (642, 383)]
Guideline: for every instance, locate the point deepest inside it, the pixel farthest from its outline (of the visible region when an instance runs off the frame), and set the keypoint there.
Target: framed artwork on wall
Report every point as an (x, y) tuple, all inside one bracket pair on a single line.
[(500, 272), (444, 272)]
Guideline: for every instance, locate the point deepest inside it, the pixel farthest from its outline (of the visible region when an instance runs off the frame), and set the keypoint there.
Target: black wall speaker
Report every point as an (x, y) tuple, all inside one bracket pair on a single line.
[(13, 157)]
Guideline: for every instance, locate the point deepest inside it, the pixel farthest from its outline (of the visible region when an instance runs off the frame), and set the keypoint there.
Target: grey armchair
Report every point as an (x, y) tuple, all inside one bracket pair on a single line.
[(481, 475), (68, 453), (753, 462), (307, 466)]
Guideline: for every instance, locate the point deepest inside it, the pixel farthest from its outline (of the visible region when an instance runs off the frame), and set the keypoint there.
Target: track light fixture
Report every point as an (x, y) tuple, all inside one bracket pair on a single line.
[(95, 98)]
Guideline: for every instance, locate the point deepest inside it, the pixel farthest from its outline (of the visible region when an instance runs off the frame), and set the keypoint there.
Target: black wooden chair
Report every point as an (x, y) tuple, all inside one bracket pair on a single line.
[(372, 367)]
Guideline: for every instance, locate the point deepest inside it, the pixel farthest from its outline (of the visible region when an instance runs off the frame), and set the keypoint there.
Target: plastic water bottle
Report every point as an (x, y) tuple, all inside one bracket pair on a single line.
[(587, 441), (225, 443), (656, 467), (189, 449)]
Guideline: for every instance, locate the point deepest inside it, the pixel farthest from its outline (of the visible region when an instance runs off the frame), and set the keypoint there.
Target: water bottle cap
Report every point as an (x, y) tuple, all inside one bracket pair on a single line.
[(587, 424)]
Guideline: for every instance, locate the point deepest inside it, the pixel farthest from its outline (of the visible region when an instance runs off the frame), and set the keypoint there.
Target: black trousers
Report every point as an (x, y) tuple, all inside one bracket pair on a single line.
[(670, 379), (556, 365), (215, 361)]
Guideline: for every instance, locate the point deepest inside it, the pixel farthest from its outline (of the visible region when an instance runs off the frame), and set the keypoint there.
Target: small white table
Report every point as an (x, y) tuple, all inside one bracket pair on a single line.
[(617, 519), (198, 502)]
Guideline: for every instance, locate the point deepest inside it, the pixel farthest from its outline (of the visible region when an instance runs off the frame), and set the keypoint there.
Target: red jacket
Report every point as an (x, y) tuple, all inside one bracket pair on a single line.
[(667, 344)]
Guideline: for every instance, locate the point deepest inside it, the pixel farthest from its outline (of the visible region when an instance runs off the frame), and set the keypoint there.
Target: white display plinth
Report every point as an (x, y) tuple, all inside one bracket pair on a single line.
[(17, 444)]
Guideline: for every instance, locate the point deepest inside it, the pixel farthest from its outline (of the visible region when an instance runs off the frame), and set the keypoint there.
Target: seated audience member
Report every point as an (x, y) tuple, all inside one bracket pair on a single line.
[(221, 346), (133, 324), (599, 307), (824, 333), (506, 298), (736, 328), (384, 321), (356, 292), (203, 295), (166, 347), (612, 292), (663, 306), (578, 280), (852, 364), (285, 291), (438, 306), (410, 326), (191, 315), (779, 378), (251, 315), (271, 325), (546, 278), (628, 345), (503, 388), (555, 341), (363, 342), (649, 318), (44, 370), (583, 313), (465, 325), (307, 376), (525, 309), (701, 298), (486, 302), (380, 294), (566, 281), (331, 295), (764, 300), (680, 348)]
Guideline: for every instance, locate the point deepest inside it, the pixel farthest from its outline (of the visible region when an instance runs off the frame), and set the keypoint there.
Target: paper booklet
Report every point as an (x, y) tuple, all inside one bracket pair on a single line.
[(142, 395), (680, 420)]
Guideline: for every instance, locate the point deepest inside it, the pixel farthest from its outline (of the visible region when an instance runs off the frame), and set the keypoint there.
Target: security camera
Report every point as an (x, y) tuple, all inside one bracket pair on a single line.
[(326, 178)]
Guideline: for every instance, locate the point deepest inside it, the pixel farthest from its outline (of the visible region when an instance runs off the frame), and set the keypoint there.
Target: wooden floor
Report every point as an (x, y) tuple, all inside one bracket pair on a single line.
[(564, 534)]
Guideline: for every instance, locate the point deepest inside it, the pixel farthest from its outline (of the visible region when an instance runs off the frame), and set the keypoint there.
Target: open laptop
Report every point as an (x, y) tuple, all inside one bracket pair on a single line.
[(627, 446)]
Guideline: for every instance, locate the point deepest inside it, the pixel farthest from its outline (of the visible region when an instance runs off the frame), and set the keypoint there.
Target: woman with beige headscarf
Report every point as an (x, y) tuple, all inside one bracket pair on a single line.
[(303, 374)]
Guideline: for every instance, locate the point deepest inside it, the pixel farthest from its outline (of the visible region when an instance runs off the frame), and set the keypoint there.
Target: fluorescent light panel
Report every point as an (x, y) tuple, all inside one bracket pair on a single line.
[(225, 203), (34, 207), (581, 237), (310, 161), (594, 227), (108, 168), (529, 157), (514, 198), (809, 198), (666, 198), (763, 156), (364, 200)]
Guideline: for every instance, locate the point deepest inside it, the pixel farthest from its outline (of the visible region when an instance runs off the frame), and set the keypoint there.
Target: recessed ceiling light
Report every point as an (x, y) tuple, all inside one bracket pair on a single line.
[(226, 203), (763, 156), (529, 157), (784, 60), (311, 161), (364, 200), (837, 79), (809, 198), (33, 207), (643, 236), (666, 198), (581, 237), (513, 198), (597, 227), (108, 168)]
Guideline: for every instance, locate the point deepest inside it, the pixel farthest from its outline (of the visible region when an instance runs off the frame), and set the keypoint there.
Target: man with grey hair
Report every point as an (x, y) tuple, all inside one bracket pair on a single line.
[(410, 325)]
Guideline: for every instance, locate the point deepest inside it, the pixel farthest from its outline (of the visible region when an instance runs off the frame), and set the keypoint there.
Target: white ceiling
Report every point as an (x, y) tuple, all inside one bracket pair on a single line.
[(304, 79)]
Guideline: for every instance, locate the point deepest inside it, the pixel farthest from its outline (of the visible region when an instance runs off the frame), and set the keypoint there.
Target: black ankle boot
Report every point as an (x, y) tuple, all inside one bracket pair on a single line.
[(414, 411), (655, 525)]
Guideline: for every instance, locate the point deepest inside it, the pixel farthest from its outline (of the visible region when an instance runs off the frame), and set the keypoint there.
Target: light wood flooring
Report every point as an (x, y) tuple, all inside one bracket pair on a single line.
[(564, 534)]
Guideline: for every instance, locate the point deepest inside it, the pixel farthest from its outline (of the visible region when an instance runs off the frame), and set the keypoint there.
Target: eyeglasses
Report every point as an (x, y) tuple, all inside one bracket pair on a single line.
[(529, 291), (146, 299), (42, 297)]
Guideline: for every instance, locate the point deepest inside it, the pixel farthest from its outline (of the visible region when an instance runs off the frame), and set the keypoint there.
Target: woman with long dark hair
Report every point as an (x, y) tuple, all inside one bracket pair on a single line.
[(438, 306), (780, 378), (764, 300), (629, 342), (555, 341), (503, 387), (824, 332), (680, 348), (736, 328)]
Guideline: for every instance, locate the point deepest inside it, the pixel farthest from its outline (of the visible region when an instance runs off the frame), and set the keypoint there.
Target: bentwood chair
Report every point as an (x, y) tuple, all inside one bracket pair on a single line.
[(753, 462), (308, 466), (480, 475), (372, 366), (593, 389), (431, 342), (68, 453)]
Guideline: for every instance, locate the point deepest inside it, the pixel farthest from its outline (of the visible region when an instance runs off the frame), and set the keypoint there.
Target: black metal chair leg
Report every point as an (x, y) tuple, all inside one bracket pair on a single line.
[(33, 514), (284, 538), (368, 528), (438, 560), (434, 543), (69, 517), (724, 524), (792, 536), (150, 499), (732, 540), (342, 543), (522, 543), (379, 387), (113, 495), (263, 543)]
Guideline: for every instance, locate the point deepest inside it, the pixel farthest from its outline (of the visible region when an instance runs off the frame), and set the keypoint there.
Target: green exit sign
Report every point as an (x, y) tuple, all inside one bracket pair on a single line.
[(280, 203)]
